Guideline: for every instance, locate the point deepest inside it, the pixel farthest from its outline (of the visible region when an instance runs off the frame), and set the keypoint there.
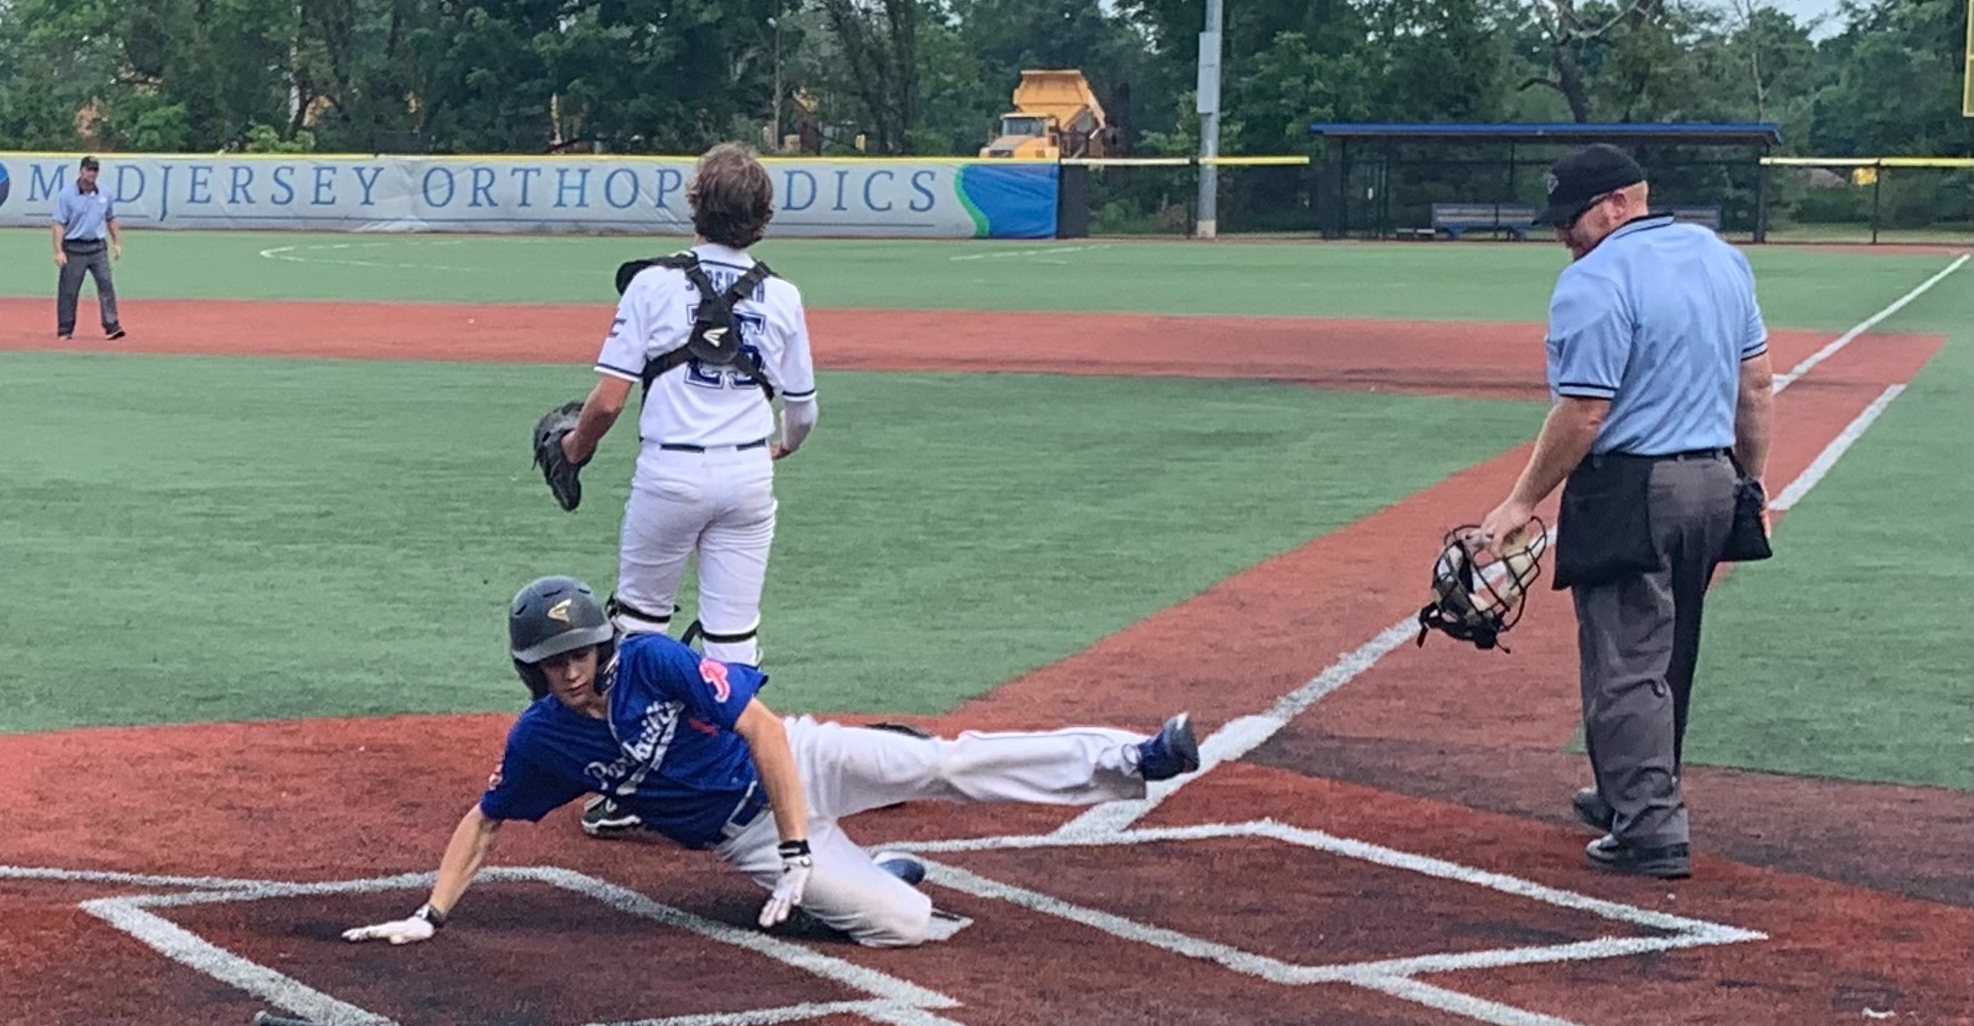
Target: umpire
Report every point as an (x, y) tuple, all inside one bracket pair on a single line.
[(86, 239), (1661, 390)]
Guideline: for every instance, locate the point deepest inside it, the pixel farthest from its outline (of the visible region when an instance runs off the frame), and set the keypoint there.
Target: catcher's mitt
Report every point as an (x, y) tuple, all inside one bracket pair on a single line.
[(556, 468), (1478, 599)]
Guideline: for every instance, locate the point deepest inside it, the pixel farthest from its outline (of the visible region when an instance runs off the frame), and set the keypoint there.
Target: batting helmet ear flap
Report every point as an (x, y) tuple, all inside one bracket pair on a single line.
[(1479, 594)]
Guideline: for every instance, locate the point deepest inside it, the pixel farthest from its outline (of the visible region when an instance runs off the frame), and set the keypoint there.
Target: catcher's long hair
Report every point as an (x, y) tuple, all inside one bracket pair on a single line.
[(731, 196), (1480, 593)]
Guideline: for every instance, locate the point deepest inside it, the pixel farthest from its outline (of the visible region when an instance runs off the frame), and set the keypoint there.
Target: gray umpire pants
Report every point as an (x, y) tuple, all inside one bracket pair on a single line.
[(92, 259), (1638, 641)]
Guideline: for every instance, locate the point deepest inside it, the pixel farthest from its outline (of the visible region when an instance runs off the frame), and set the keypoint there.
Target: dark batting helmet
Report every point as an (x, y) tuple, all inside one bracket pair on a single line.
[(553, 615)]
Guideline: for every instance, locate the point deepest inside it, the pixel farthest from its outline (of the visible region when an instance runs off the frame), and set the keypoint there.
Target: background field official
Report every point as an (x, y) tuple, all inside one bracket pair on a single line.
[(1658, 366), (86, 239)]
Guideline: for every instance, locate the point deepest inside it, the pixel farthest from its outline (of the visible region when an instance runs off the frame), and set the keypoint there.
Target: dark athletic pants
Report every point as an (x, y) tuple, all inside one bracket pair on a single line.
[(92, 258), (1638, 641)]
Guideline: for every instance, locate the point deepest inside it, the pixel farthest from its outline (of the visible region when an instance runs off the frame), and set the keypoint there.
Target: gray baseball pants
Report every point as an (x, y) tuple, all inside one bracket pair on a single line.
[(1638, 641), (93, 260)]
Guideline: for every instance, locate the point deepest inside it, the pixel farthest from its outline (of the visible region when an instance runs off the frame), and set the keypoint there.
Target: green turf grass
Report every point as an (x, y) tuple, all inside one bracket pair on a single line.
[(204, 538), (1851, 654), (1422, 281)]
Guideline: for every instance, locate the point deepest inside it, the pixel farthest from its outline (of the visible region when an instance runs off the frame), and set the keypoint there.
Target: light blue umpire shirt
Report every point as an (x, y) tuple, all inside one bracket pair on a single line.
[(1656, 319), (84, 216)]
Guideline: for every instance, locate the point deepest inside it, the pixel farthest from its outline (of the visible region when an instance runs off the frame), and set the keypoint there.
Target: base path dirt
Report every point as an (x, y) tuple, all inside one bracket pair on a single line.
[(1436, 757), (1480, 359)]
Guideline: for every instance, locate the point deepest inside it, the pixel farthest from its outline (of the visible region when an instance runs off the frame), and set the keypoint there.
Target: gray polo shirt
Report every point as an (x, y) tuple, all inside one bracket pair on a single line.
[(84, 216)]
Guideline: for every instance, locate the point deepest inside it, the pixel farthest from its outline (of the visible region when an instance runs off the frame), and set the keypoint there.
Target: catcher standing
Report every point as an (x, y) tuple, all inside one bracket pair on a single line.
[(712, 336), (1659, 368)]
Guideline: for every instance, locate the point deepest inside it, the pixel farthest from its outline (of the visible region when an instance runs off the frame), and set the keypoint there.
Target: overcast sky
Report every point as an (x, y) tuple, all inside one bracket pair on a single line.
[(1806, 10)]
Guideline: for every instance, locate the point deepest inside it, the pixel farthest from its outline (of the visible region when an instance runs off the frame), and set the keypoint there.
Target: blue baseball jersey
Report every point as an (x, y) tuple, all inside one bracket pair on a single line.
[(667, 750)]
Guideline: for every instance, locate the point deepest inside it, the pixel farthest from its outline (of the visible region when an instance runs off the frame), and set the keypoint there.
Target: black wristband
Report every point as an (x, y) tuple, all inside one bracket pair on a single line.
[(430, 915), (793, 849)]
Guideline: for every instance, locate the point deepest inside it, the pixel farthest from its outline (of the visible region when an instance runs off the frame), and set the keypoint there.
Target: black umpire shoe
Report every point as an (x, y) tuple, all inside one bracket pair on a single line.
[(1668, 862), (1592, 810)]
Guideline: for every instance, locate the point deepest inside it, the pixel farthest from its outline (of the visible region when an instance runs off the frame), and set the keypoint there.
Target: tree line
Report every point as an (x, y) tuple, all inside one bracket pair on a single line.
[(930, 77)]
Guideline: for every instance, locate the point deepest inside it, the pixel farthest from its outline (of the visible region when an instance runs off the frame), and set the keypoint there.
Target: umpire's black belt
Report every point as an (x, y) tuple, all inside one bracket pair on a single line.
[(1689, 454), (84, 245), (683, 447)]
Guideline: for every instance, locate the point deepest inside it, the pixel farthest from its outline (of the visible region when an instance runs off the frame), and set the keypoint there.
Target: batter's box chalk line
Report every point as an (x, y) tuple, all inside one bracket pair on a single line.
[(892, 1000), (1395, 977)]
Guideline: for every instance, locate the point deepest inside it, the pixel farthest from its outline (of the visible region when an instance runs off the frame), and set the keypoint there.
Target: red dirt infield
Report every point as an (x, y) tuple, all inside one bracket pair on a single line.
[(1447, 764)]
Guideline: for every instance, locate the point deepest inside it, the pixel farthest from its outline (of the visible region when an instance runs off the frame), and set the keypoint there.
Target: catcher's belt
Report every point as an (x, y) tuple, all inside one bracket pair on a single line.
[(715, 340)]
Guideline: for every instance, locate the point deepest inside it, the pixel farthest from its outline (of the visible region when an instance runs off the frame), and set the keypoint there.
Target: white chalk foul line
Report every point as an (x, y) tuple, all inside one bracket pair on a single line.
[(767, 1016), (1834, 451), (1785, 380), (1238, 737), (187, 948), (1459, 1004), (135, 879)]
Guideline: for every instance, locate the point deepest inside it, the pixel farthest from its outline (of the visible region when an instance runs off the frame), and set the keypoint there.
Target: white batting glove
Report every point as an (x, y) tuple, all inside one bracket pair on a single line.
[(420, 926), (796, 865)]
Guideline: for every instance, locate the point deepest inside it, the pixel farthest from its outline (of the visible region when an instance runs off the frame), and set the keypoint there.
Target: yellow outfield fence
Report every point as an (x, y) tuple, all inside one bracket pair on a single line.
[(1875, 199)]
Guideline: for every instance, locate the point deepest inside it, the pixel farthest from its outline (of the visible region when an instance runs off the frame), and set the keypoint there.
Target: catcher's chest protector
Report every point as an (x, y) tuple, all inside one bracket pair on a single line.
[(715, 338)]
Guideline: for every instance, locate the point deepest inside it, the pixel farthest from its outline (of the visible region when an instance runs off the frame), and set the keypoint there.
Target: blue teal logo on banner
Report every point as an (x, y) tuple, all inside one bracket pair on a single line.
[(4, 185)]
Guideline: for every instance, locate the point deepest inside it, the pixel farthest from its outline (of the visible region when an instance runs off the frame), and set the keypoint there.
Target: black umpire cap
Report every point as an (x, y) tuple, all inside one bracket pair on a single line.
[(89, 164), (1584, 175)]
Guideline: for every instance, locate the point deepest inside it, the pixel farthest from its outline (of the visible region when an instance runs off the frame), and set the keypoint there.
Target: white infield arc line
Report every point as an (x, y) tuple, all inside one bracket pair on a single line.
[(292, 254), (1046, 251)]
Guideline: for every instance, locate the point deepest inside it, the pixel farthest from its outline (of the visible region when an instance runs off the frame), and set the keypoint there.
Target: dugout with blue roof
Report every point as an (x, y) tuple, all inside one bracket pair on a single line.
[(1447, 180)]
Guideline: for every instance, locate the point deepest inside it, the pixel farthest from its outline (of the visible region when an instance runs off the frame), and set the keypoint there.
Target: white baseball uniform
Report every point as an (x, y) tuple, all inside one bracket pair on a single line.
[(846, 770), (705, 476)]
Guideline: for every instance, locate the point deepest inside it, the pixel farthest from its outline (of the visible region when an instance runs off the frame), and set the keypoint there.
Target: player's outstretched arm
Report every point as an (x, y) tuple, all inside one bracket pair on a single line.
[(774, 760), (600, 411), (471, 842)]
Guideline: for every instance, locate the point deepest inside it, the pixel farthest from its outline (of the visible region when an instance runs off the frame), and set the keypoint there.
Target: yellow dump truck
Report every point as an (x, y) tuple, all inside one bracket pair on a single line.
[(1055, 115)]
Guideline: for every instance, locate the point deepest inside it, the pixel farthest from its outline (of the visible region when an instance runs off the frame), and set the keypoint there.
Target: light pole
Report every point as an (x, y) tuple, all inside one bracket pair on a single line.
[(774, 143), (1208, 96)]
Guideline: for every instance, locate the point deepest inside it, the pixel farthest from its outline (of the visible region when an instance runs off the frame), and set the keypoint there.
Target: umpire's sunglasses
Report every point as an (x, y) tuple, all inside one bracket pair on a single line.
[(1588, 206)]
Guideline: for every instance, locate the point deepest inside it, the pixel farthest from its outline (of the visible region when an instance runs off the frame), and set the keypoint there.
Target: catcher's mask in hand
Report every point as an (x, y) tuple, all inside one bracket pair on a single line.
[(1478, 594)]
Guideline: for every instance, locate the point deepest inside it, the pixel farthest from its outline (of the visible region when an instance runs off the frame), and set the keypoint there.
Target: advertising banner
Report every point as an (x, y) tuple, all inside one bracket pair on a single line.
[(595, 195)]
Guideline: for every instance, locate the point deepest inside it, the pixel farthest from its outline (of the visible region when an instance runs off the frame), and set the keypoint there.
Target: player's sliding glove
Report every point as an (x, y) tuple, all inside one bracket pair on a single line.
[(556, 468), (421, 925), (796, 864)]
